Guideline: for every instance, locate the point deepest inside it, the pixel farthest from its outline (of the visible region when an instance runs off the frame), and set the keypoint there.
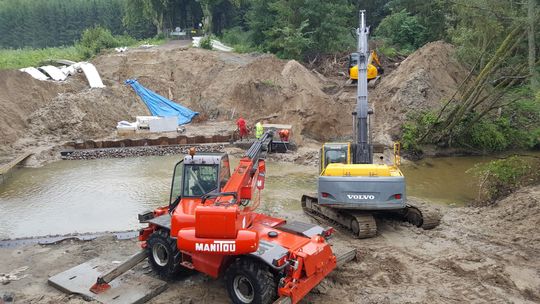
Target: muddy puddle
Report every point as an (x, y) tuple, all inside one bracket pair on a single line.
[(107, 194)]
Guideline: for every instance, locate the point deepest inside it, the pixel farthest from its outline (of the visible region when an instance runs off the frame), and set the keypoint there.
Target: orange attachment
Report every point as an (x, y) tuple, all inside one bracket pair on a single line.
[(100, 287)]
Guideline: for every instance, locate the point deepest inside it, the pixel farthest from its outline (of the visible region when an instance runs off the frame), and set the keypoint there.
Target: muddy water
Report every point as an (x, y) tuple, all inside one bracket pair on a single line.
[(106, 194)]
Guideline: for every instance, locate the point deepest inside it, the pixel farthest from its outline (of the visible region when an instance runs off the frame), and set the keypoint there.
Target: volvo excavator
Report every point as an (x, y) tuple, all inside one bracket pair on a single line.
[(351, 188)]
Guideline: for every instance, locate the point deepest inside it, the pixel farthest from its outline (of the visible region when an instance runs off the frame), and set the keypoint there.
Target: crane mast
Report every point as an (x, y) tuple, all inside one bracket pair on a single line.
[(364, 149)]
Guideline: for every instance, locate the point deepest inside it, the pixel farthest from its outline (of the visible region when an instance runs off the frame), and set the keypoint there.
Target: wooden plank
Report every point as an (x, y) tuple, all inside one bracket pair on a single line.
[(4, 169)]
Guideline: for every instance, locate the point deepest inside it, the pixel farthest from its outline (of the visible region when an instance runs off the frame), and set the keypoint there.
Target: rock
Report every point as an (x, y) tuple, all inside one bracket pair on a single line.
[(8, 297)]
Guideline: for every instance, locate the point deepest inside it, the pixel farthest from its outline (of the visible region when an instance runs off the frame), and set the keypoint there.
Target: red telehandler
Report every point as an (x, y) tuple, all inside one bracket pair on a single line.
[(210, 226)]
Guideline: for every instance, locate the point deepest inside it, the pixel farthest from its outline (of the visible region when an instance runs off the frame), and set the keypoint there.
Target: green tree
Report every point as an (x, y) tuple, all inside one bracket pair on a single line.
[(402, 29)]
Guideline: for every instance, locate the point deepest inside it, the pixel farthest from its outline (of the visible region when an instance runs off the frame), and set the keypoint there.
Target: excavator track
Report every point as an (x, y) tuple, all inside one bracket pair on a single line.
[(362, 224), (422, 215), (358, 225)]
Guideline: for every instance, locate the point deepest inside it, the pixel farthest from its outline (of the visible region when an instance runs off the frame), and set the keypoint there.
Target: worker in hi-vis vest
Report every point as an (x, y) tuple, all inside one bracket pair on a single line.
[(258, 130)]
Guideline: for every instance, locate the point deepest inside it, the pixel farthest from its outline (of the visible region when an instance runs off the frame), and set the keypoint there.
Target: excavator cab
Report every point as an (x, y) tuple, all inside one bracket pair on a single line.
[(334, 153)]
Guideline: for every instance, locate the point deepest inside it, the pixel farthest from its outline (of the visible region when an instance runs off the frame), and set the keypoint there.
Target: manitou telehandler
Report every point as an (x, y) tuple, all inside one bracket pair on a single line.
[(351, 188), (210, 226)]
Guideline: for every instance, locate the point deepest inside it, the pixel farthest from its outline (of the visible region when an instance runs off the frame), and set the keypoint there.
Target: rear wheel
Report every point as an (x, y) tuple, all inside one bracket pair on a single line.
[(163, 255), (250, 282)]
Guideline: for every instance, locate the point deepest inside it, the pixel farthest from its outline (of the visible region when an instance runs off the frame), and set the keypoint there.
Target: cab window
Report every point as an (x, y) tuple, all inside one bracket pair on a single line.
[(176, 187), (224, 172), (200, 179), (335, 155)]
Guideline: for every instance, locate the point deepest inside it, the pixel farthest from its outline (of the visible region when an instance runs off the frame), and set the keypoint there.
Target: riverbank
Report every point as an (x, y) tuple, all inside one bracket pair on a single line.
[(476, 255)]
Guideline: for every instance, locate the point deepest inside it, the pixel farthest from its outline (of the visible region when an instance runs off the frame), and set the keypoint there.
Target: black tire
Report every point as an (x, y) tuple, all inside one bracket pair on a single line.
[(250, 282), (163, 255)]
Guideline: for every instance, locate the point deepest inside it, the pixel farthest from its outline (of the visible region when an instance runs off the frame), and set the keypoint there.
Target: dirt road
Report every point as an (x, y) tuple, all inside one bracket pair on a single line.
[(476, 255)]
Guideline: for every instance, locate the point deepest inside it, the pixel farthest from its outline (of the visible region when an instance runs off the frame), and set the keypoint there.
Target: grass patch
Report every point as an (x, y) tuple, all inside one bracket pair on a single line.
[(22, 58), (15, 59), (501, 177)]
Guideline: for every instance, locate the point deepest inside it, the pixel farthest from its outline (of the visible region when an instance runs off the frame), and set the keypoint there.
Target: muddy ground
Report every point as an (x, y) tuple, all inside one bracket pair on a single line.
[(476, 255)]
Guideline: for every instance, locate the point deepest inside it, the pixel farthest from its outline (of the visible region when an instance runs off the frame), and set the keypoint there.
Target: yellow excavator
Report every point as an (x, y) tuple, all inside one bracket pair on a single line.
[(374, 68), (351, 188)]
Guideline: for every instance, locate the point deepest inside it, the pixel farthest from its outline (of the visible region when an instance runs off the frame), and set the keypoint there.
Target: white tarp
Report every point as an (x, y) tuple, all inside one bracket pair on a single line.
[(91, 73), (54, 72), (35, 73), (215, 45)]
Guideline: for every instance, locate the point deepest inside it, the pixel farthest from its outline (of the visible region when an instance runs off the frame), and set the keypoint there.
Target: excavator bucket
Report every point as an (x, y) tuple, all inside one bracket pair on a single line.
[(107, 282)]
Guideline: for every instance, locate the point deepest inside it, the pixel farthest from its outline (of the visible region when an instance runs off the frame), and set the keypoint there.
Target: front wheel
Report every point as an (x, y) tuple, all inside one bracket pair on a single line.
[(250, 282), (163, 255)]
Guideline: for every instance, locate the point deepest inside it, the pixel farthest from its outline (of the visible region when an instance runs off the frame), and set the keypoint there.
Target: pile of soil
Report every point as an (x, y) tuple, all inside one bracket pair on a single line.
[(224, 86), (422, 82)]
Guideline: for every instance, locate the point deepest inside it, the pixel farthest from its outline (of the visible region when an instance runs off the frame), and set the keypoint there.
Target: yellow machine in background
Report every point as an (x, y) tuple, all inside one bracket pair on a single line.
[(373, 70)]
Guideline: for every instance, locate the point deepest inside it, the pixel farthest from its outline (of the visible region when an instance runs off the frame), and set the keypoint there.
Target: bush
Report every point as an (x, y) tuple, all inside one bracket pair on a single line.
[(96, 39), (488, 136), (416, 126), (206, 42), (501, 177), (239, 39), (402, 30)]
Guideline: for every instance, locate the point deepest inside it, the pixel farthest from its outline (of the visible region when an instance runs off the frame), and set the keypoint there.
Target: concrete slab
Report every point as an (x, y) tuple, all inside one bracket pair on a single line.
[(129, 288)]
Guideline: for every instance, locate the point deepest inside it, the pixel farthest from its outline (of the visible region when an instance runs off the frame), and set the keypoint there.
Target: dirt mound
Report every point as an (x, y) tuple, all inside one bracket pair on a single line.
[(517, 217), (42, 113), (420, 83), (224, 86), (20, 94)]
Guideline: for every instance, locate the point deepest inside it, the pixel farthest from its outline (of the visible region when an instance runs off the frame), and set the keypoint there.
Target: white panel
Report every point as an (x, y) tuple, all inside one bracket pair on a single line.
[(35, 73), (92, 75), (54, 72)]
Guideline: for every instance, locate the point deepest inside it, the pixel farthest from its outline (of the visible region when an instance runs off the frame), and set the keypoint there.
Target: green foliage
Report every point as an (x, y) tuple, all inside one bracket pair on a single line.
[(403, 30), (206, 42), (501, 177), (14, 59), (431, 15), (291, 29), (20, 58), (489, 136), (239, 39), (387, 51), (97, 38), (414, 128), (513, 127), (289, 42)]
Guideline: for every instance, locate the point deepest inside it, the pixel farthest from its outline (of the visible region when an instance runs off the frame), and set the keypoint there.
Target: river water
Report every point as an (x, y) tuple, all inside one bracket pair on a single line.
[(107, 194)]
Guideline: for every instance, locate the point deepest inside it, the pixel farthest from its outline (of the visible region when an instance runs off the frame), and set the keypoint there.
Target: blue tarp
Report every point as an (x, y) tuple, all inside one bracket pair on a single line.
[(161, 106)]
